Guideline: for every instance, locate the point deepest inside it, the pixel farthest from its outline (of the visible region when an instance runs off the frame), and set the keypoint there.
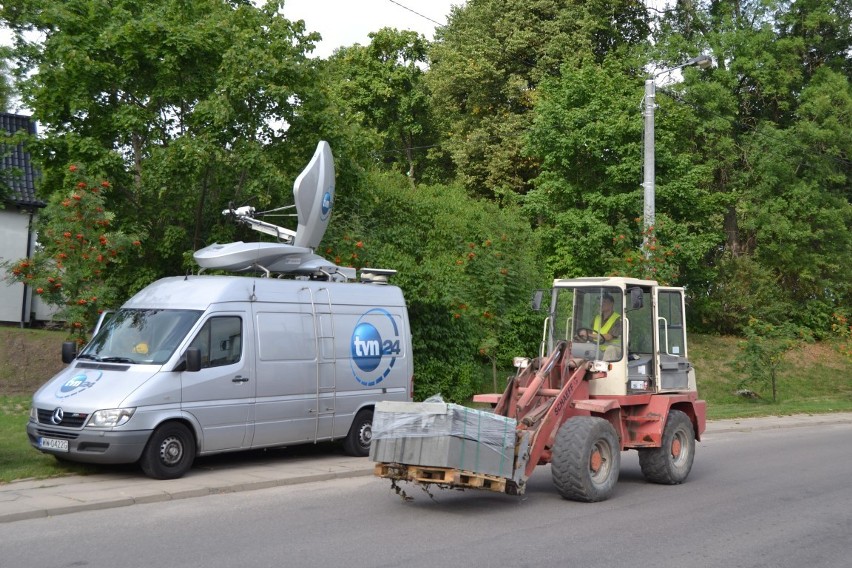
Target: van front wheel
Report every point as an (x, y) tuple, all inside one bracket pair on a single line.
[(169, 453), (357, 442)]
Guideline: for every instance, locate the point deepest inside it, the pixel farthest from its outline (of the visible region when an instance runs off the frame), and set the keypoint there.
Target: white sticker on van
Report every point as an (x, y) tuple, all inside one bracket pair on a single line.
[(78, 383), (374, 347)]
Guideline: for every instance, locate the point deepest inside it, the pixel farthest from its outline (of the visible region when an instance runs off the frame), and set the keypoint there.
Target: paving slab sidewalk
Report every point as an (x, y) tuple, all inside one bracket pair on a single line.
[(30, 499)]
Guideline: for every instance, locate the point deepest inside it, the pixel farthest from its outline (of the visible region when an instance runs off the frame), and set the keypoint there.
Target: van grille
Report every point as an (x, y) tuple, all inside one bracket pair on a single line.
[(57, 434), (69, 419)]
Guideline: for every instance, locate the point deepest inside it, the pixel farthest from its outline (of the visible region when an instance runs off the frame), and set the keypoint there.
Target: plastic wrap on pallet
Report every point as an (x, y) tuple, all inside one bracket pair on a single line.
[(445, 435)]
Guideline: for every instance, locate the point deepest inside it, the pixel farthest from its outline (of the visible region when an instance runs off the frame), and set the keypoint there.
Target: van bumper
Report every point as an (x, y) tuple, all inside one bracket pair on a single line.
[(91, 446)]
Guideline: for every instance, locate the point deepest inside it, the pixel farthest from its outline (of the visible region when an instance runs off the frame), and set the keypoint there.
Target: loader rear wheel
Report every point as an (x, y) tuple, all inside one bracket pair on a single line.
[(586, 459), (671, 462)]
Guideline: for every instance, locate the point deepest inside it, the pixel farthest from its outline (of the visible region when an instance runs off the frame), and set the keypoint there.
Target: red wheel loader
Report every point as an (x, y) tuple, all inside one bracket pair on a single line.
[(613, 374)]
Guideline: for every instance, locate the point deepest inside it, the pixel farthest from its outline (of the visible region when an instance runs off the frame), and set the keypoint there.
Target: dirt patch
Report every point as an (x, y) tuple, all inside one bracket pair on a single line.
[(28, 358)]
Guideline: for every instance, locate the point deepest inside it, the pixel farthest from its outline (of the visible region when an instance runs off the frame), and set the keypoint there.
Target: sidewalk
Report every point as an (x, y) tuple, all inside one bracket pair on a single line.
[(30, 499)]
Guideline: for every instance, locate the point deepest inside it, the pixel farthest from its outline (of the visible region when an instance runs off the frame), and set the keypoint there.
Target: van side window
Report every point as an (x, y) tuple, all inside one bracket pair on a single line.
[(220, 341)]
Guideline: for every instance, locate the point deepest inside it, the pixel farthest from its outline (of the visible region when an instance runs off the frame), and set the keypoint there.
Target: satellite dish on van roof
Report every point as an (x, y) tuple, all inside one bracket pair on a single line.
[(313, 192)]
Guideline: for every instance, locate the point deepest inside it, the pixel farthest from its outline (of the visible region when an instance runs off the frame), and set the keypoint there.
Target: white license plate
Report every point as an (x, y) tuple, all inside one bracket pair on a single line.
[(53, 444), (637, 385)]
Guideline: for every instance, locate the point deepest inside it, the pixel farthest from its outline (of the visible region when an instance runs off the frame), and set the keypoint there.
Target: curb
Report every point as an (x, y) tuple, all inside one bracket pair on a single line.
[(34, 499)]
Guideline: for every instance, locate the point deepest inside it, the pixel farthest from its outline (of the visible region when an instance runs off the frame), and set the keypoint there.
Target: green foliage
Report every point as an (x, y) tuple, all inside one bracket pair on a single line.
[(381, 87), (650, 260), (5, 83), (466, 266), (186, 106), (487, 65), (79, 246), (762, 352)]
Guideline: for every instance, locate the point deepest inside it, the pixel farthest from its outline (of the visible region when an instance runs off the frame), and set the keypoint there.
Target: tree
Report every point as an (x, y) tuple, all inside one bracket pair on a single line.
[(467, 268), (78, 247), (5, 83), (780, 167), (587, 135), (762, 353), (381, 86), (487, 64), (186, 105)]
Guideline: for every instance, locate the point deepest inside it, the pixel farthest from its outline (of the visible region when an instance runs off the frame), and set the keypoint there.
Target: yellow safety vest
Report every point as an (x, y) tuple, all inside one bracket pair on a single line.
[(596, 326)]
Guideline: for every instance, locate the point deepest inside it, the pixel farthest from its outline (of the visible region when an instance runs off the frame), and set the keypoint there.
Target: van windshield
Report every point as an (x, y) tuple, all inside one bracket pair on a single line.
[(140, 336)]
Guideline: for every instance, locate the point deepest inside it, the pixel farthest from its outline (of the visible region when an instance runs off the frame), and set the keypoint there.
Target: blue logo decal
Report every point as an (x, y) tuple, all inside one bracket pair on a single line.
[(374, 347), (77, 384), (327, 204)]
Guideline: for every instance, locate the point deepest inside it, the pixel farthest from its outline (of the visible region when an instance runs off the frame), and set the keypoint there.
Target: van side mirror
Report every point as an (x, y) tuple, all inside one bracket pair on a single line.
[(636, 298), (69, 351), (193, 360), (537, 297)]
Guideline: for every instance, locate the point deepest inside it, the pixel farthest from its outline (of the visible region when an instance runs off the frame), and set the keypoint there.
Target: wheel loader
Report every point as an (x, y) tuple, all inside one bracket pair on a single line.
[(612, 374)]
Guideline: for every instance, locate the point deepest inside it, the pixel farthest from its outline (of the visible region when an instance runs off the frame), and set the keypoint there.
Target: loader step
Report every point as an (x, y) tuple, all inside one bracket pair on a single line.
[(442, 476)]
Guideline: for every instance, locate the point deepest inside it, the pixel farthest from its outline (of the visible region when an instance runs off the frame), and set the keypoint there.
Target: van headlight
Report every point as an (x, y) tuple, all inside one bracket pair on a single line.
[(110, 418)]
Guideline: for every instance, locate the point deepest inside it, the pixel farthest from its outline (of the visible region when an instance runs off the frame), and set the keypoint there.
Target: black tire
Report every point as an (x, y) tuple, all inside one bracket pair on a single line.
[(169, 453), (357, 442), (670, 463), (586, 459)]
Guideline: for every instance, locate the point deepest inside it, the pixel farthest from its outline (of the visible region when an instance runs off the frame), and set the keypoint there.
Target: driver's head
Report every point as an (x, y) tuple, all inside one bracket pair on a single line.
[(607, 301)]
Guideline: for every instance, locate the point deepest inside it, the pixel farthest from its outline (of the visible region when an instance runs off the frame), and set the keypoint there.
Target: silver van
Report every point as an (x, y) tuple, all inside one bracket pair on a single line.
[(198, 365)]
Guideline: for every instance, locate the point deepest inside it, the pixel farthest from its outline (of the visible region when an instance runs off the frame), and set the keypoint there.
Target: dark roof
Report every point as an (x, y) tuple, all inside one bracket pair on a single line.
[(16, 168)]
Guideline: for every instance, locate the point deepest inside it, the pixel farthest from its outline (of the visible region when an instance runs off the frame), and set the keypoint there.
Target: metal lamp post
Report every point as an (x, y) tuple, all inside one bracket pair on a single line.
[(703, 62)]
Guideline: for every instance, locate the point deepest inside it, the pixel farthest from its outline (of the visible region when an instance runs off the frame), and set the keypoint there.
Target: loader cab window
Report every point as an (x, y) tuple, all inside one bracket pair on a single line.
[(672, 338), (591, 319), (220, 341), (641, 340)]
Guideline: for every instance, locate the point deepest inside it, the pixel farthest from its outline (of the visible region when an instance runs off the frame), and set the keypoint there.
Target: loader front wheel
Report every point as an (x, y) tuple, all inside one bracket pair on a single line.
[(586, 459), (671, 463)]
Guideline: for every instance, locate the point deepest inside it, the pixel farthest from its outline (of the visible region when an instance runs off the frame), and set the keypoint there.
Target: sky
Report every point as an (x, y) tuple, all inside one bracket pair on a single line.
[(346, 22)]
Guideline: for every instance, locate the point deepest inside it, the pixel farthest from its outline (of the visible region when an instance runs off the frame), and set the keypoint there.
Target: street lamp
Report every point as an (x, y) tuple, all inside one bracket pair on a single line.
[(703, 62)]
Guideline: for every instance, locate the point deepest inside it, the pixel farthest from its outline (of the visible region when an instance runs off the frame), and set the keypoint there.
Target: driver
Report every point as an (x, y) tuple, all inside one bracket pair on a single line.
[(607, 329)]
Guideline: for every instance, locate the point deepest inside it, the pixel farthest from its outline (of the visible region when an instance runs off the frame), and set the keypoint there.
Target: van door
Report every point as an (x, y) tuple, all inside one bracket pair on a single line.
[(671, 329), (287, 402), (221, 395)]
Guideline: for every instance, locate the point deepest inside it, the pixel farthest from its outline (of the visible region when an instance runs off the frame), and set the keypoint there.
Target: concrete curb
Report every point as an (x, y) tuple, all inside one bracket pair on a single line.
[(33, 499)]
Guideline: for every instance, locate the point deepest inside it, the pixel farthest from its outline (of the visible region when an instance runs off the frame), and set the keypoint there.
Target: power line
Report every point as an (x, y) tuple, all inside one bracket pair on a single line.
[(417, 13)]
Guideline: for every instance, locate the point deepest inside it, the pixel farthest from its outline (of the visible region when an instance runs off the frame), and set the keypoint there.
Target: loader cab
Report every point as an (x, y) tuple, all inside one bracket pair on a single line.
[(634, 327)]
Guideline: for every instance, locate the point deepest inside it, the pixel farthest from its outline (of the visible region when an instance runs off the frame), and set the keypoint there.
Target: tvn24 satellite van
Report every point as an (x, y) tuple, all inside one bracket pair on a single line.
[(296, 351)]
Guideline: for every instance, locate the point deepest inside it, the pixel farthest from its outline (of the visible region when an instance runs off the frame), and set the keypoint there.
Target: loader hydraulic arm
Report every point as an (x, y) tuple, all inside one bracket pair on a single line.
[(539, 398)]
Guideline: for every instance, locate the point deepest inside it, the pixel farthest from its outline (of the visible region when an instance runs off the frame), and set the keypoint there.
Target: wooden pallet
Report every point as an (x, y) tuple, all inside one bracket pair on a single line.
[(442, 476)]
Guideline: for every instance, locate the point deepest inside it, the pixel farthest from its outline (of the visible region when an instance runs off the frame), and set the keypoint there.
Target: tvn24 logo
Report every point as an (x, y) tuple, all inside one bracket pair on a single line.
[(375, 347)]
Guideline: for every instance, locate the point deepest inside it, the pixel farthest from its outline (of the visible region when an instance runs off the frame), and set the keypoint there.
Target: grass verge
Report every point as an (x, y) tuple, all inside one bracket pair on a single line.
[(814, 379)]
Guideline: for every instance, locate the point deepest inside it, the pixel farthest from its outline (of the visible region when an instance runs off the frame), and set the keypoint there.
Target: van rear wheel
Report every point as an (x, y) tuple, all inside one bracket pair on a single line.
[(169, 453), (357, 442)]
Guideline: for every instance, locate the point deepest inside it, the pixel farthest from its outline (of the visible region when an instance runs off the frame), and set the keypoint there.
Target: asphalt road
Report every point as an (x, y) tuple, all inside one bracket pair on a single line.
[(777, 498)]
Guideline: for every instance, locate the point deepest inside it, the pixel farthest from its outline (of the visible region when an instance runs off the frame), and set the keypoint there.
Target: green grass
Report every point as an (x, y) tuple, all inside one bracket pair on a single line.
[(19, 460), (815, 379)]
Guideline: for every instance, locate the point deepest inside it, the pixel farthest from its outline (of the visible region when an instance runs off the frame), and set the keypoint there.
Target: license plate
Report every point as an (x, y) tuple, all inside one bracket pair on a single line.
[(53, 444), (637, 385)]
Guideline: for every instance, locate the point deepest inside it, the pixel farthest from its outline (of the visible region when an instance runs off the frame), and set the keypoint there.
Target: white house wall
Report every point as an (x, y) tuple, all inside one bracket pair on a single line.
[(14, 230)]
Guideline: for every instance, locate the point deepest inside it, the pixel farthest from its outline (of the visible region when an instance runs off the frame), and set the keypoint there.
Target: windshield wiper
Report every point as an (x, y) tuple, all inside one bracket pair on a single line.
[(117, 360), (87, 356)]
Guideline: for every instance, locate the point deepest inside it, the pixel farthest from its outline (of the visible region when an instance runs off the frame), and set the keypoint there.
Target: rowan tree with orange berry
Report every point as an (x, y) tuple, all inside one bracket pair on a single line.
[(77, 247)]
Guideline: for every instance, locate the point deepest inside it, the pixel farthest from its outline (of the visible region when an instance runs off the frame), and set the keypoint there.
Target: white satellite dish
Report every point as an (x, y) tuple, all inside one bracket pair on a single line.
[(313, 191)]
